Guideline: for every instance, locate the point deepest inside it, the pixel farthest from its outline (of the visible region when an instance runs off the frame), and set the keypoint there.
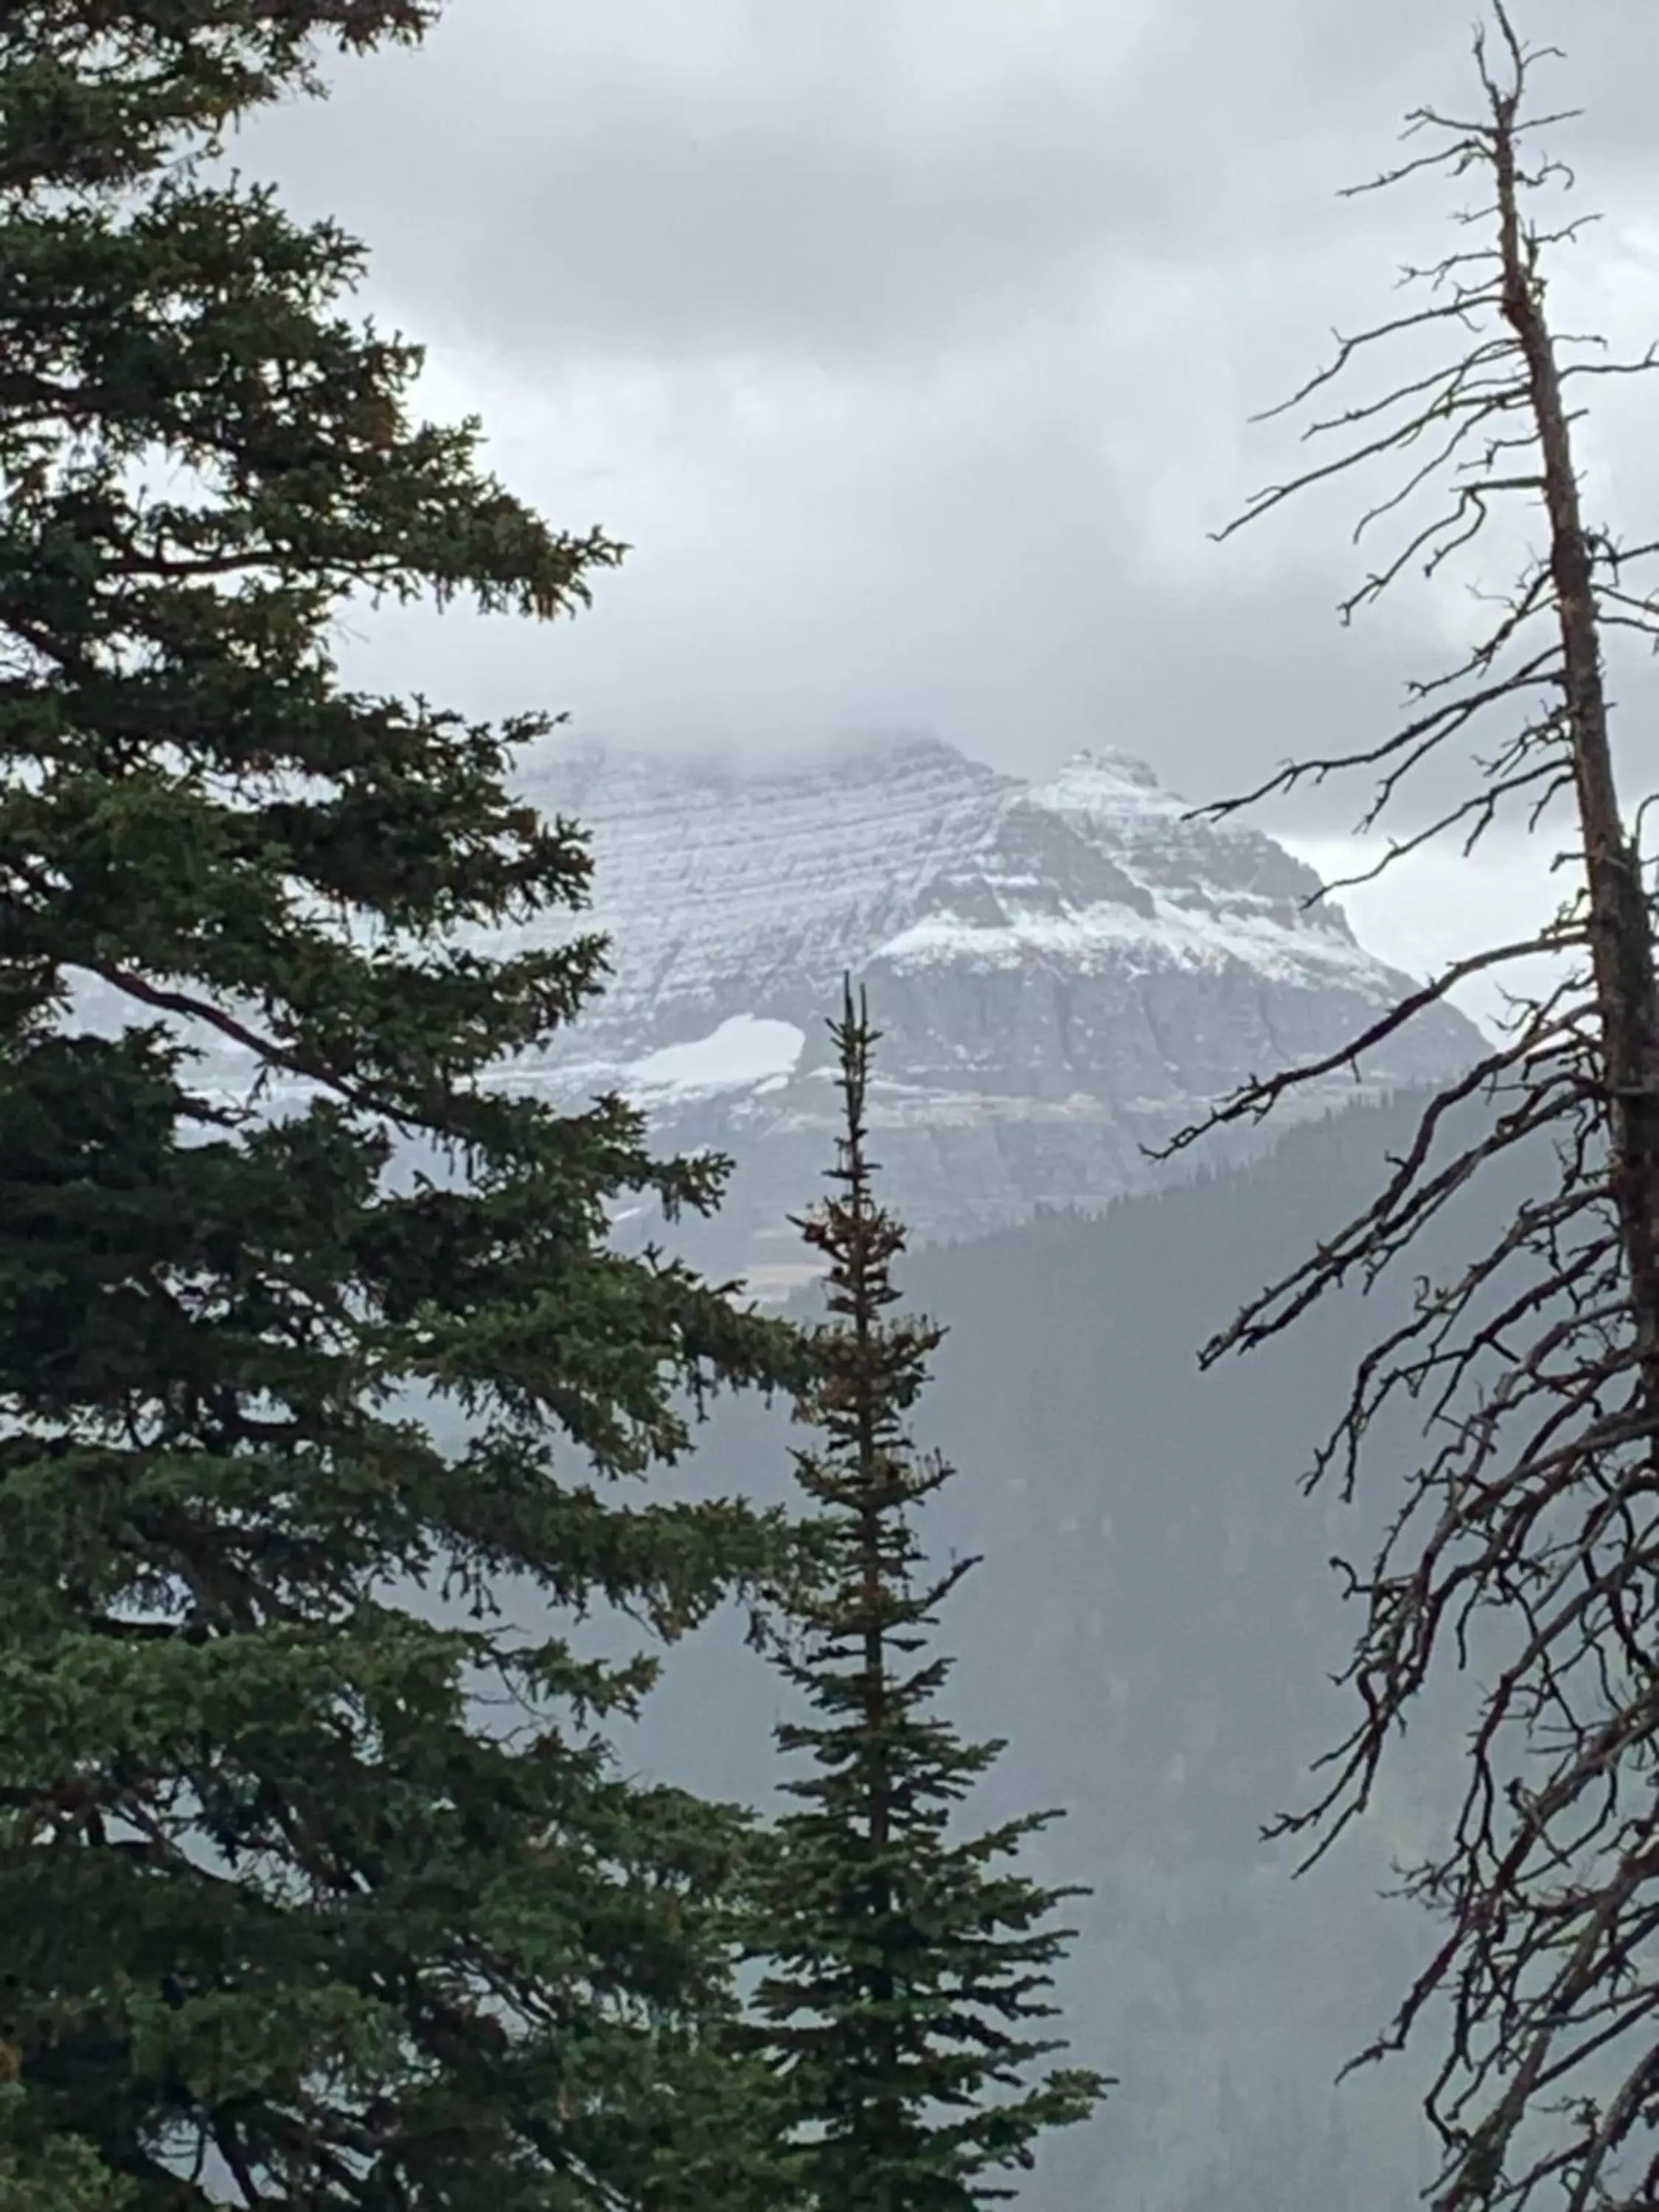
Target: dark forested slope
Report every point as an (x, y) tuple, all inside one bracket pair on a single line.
[(1154, 1628)]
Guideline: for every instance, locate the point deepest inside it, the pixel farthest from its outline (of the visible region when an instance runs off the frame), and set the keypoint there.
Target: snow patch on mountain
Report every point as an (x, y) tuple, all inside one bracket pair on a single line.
[(743, 1054)]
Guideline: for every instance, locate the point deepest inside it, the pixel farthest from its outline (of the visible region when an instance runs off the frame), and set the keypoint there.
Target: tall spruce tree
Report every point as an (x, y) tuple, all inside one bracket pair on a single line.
[(906, 1964), (287, 1916)]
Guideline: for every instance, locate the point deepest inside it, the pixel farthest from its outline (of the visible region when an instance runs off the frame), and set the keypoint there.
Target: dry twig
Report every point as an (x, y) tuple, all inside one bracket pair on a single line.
[(1529, 1538)]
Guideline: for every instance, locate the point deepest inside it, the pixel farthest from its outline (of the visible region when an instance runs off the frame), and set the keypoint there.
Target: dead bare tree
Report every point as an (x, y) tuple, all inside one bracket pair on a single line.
[(1526, 1546)]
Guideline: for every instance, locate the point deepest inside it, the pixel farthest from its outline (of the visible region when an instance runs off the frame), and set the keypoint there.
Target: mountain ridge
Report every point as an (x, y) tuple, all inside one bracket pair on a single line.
[(1066, 970)]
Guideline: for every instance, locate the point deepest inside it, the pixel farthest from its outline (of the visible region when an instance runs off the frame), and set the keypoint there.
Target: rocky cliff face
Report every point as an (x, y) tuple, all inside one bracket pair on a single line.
[(1064, 974)]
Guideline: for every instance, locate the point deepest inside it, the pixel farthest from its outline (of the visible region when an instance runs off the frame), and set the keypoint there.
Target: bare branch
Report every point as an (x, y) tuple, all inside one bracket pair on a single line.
[(1525, 1548)]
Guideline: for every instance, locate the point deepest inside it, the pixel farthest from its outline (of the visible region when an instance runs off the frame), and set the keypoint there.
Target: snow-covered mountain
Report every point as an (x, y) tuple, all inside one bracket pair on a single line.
[(1064, 974)]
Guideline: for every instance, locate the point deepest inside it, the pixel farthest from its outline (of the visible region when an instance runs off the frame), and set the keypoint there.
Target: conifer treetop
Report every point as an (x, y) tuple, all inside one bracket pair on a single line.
[(910, 1964)]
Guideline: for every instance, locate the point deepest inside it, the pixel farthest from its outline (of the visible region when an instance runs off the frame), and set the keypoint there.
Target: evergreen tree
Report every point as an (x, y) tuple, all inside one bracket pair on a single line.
[(906, 1966), (316, 1886)]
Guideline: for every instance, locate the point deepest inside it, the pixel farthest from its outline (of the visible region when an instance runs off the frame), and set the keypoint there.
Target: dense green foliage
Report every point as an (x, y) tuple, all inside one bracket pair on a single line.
[(316, 1886), (906, 1964)]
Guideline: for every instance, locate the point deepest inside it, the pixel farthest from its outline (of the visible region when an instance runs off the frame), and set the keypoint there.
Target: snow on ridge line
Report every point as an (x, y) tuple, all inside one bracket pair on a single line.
[(1177, 936)]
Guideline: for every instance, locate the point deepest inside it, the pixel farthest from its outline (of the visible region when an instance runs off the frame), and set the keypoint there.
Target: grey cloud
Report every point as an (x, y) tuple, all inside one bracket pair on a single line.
[(911, 342), (883, 175)]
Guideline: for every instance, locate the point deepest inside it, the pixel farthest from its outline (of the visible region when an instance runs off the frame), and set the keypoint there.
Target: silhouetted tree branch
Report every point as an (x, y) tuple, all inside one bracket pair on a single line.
[(1528, 1542)]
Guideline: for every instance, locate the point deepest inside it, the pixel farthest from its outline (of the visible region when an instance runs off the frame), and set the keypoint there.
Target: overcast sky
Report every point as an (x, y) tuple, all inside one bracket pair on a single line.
[(911, 346)]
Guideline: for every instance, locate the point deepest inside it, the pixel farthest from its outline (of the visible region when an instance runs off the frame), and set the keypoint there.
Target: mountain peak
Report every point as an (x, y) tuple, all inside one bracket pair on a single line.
[(1107, 765), (1064, 972), (1102, 781)]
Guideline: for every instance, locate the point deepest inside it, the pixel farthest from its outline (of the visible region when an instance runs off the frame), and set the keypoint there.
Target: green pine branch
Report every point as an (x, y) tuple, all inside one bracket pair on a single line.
[(317, 1883)]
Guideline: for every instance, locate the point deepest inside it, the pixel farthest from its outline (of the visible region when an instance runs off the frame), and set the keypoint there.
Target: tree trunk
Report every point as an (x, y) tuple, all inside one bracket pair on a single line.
[(1620, 924)]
